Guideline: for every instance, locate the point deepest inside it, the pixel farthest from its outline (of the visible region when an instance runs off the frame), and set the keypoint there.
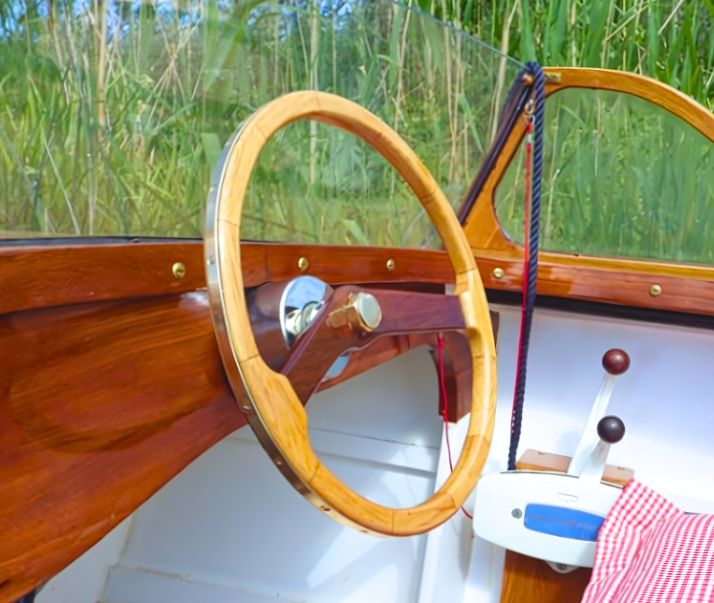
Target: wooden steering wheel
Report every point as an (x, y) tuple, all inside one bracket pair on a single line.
[(352, 317)]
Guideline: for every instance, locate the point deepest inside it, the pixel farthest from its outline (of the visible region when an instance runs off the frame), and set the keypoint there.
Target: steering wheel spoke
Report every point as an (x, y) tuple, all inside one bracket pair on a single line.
[(353, 317)]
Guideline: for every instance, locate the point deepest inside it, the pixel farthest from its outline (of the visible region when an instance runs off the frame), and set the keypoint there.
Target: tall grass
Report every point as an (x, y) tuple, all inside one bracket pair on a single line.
[(670, 40), (113, 114)]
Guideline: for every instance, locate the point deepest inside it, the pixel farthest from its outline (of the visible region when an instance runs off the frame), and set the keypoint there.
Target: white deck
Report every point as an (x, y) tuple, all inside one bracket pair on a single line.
[(230, 529)]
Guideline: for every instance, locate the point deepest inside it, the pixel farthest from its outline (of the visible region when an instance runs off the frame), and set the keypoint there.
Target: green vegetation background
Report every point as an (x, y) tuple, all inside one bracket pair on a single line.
[(113, 114)]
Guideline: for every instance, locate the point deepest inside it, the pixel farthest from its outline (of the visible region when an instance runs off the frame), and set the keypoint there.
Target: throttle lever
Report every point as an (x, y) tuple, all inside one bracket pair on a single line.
[(590, 456)]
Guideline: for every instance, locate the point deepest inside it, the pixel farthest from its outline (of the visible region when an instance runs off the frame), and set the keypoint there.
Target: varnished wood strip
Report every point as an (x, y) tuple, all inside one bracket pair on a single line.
[(100, 406), (594, 280), (47, 275), (338, 264), (533, 460)]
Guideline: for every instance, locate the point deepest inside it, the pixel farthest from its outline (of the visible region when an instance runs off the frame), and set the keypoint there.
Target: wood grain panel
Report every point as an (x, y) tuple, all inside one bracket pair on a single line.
[(101, 405)]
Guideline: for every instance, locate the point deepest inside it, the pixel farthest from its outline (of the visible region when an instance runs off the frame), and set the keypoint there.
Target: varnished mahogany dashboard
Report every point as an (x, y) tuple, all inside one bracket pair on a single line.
[(111, 382)]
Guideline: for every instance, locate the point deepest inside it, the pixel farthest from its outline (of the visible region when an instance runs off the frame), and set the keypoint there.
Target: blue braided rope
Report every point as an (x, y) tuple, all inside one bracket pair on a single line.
[(529, 284)]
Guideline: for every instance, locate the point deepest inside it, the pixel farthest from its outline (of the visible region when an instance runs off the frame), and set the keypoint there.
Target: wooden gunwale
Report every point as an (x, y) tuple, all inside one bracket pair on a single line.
[(83, 272)]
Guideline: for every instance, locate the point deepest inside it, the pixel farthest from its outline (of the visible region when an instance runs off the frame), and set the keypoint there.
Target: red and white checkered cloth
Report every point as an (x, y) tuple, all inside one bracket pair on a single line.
[(648, 551)]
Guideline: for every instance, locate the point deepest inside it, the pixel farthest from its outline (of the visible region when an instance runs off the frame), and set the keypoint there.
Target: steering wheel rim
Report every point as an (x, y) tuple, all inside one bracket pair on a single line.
[(272, 407)]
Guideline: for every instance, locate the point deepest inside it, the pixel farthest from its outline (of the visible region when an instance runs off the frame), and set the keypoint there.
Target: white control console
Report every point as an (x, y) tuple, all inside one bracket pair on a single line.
[(557, 516)]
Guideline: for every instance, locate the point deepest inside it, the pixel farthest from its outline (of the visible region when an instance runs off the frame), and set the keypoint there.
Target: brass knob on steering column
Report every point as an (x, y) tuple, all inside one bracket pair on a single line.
[(362, 311)]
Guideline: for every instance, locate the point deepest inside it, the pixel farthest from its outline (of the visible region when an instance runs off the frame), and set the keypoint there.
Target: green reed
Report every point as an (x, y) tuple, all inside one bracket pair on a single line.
[(113, 115)]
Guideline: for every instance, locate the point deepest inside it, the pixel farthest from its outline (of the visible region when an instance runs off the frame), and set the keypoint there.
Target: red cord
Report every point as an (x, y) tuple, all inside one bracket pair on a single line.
[(445, 413)]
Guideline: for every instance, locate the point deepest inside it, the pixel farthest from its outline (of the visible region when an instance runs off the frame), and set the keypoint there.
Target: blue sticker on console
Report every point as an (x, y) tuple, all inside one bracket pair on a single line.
[(563, 522)]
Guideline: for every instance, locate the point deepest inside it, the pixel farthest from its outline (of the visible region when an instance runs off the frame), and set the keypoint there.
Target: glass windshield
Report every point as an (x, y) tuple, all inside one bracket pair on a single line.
[(114, 114), (621, 178)]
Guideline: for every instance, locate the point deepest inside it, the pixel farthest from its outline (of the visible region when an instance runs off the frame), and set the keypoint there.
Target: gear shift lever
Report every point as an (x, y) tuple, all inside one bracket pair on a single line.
[(600, 431)]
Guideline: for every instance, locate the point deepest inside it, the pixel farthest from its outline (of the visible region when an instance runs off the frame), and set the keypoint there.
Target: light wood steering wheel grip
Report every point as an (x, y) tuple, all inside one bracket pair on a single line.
[(268, 399)]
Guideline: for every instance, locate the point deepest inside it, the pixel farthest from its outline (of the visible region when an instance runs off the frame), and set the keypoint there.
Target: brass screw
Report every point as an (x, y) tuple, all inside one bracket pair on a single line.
[(179, 270), (498, 273), (390, 265), (303, 264), (655, 290)]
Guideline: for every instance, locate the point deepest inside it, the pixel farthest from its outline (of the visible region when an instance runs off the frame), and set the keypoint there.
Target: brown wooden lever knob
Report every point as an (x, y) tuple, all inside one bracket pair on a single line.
[(616, 361), (611, 429)]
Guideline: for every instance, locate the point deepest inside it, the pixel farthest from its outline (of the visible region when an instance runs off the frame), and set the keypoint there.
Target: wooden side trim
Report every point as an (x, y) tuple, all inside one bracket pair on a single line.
[(51, 275), (100, 406), (42, 276), (685, 288)]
